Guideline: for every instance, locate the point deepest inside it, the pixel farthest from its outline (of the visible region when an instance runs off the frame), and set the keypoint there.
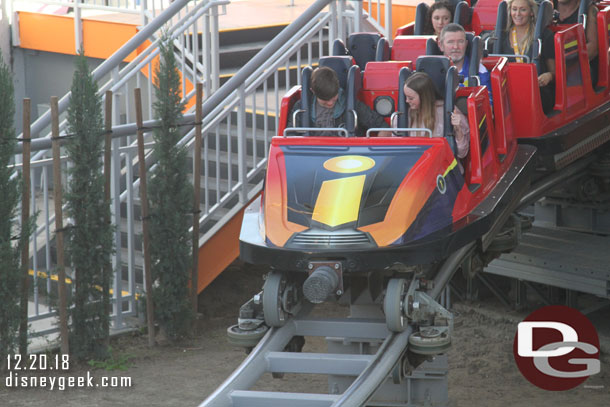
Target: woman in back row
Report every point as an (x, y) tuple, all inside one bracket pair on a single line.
[(439, 15), (520, 36)]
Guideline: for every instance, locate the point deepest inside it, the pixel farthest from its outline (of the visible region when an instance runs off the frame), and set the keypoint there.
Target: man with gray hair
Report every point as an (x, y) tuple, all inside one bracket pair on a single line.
[(453, 44)]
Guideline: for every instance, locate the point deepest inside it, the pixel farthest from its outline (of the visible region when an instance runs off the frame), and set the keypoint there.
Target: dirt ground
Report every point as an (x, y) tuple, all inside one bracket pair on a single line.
[(482, 369)]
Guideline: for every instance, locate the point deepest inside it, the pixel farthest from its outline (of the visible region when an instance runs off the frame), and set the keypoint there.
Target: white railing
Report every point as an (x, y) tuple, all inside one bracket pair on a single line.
[(239, 120), (121, 79)]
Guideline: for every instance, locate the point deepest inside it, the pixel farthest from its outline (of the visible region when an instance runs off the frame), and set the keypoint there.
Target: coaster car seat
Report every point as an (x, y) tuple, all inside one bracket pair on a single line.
[(349, 80), (363, 47)]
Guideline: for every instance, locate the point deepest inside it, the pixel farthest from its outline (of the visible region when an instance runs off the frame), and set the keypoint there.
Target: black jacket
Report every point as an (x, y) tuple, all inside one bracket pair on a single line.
[(367, 118)]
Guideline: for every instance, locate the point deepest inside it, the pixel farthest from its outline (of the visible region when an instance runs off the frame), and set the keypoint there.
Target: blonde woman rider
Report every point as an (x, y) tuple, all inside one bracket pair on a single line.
[(519, 39)]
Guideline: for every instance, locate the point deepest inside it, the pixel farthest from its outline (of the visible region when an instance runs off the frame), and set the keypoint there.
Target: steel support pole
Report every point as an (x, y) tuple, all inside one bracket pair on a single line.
[(207, 55), (197, 197), (78, 27), (357, 14), (150, 320), (16, 38), (196, 47), (59, 230), (144, 12), (241, 145), (24, 239), (116, 212), (388, 22), (332, 32), (107, 272), (341, 22), (215, 49)]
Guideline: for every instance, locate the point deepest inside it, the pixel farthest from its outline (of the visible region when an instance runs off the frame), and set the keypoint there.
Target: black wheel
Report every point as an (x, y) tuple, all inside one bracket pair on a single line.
[(273, 290), (393, 304)]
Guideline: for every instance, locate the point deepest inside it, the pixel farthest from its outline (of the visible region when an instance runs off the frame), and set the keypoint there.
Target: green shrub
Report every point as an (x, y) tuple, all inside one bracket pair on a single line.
[(9, 191), (170, 196), (89, 241)]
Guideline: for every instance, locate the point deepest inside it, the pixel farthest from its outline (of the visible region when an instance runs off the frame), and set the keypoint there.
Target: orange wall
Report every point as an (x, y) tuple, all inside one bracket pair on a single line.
[(104, 38), (44, 32), (52, 33), (220, 251)]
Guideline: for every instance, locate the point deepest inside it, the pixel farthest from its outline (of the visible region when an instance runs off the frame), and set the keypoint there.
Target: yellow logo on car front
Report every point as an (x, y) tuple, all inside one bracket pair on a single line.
[(339, 199)]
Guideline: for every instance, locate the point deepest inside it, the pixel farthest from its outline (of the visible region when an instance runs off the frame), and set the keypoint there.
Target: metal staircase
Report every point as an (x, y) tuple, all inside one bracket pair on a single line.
[(239, 119), (120, 78)]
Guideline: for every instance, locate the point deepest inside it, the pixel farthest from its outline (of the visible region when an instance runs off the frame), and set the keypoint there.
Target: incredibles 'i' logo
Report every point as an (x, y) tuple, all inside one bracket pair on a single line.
[(339, 199)]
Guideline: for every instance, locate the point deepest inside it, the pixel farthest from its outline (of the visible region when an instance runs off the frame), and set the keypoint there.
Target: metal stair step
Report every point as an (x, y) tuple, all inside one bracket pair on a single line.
[(586, 243), (358, 328), (223, 184), (570, 252), (550, 277), (221, 163), (247, 398), (260, 33), (212, 143), (236, 55), (560, 258), (317, 363), (217, 215)]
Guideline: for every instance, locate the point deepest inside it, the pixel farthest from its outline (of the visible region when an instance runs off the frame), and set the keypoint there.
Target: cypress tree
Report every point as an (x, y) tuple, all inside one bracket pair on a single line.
[(170, 195), (9, 193), (89, 241)]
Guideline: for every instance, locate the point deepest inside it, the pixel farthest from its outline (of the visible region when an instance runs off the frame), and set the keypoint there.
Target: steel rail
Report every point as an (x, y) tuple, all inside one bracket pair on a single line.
[(365, 385), (545, 184), (449, 267), (248, 372), (252, 367), (256, 364)]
